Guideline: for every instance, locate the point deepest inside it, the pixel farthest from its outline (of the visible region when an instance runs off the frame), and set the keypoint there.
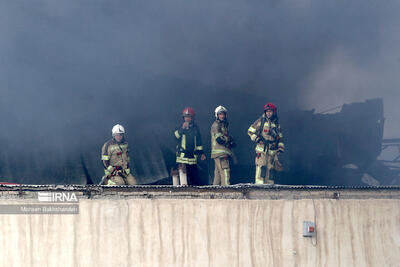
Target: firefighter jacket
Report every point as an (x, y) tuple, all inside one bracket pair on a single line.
[(189, 144), (268, 135), (115, 155), (220, 139)]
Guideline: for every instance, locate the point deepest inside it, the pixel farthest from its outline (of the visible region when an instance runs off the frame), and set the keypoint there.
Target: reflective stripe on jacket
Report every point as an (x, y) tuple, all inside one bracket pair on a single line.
[(219, 130), (189, 144), (115, 155), (270, 126)]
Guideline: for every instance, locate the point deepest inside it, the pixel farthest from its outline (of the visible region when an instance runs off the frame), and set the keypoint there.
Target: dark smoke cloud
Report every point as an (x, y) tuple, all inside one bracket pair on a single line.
[(72, 69)]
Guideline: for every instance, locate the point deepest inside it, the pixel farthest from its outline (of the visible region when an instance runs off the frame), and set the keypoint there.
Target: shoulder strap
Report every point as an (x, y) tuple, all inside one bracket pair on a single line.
[(263, 119)]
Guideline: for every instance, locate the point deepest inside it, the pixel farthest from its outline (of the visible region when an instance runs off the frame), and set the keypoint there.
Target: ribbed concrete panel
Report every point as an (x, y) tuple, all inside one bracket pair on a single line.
[(203, 232)]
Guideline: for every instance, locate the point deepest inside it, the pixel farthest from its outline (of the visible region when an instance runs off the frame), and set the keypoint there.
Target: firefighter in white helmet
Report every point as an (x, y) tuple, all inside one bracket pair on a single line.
[(115, 157), (221, 147)]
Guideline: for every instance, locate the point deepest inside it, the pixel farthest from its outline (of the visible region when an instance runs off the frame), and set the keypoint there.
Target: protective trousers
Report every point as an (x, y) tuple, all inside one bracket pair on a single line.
[(119, 180), (221, 171), (180, 177), (265, 167)]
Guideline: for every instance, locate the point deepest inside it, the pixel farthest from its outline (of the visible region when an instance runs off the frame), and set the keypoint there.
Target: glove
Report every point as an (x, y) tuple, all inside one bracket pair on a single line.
[(109, 170), (220, 141), (232, 144), (259, 139), (185, 125)]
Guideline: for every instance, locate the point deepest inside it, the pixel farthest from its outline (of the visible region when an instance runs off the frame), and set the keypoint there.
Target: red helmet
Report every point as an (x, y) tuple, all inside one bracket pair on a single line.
[(188, 112), (270, 106)]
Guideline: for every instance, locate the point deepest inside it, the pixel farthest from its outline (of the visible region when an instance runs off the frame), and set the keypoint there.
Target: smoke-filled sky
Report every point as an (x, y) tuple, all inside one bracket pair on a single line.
[(71, 62)]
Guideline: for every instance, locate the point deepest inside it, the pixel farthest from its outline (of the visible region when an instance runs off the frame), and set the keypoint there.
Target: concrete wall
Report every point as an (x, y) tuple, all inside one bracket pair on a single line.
[(188, 232)]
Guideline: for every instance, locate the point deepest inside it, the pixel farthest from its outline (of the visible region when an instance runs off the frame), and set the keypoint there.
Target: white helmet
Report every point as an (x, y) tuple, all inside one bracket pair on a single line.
[(118, 129), (220, 109)]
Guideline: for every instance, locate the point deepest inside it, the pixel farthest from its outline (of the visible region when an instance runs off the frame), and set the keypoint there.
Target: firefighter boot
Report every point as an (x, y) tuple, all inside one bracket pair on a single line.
[(259, 178), (183, 174), (271, 177), (175, 176)]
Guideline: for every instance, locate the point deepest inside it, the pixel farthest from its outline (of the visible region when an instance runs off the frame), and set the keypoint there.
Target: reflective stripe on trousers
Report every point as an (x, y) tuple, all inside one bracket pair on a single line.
[(221, 171)]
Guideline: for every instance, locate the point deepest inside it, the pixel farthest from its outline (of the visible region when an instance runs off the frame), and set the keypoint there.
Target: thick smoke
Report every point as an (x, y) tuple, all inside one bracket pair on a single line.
[(69, 70)]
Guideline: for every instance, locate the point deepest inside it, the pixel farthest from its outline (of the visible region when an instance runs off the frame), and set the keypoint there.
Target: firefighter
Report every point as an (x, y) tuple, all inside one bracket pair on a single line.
[(115, 157), (221, 144), (266, 132), (188, 149)]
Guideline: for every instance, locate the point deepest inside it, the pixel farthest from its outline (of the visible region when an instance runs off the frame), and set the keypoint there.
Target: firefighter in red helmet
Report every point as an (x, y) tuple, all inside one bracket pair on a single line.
[(266, 132), (188, 149)]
